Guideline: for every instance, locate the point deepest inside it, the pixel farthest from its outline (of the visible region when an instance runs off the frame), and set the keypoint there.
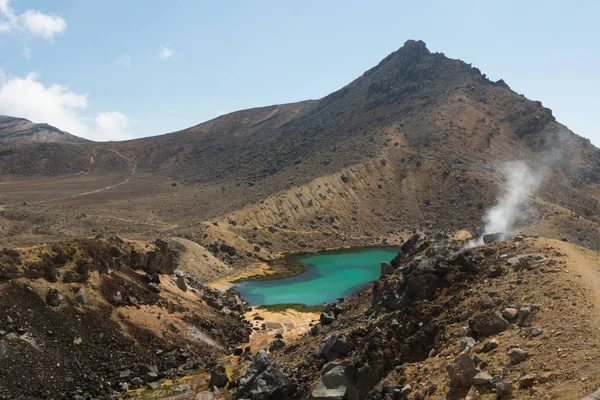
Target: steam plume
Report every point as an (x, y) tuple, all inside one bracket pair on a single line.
[(521, 182)]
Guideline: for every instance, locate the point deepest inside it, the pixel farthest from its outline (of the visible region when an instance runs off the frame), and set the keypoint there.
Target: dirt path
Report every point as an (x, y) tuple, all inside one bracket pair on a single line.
[(132, 173), (582, 262)]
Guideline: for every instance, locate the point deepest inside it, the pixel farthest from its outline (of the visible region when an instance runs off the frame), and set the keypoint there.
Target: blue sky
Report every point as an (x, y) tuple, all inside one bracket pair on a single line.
[(117, 69)]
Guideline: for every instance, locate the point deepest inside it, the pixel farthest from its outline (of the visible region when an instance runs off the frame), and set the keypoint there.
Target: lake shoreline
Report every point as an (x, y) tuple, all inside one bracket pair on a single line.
[(310, 279), (290, 268)]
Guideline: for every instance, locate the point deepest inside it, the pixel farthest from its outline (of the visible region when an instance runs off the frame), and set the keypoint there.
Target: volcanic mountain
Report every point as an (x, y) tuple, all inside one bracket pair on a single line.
[(417, 141)]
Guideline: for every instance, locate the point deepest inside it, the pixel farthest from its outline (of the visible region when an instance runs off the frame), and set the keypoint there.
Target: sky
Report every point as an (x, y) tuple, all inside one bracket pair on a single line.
[(120, 69)]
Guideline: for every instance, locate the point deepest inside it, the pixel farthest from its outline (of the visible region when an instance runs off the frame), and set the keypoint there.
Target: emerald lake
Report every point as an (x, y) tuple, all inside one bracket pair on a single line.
[(327, 277)]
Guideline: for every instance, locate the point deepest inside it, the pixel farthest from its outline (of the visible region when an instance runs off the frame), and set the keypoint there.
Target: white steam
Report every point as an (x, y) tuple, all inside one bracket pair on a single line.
[(521, 182)]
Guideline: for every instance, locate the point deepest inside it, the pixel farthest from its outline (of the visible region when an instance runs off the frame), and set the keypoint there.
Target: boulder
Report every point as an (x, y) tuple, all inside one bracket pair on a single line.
[(335, 347), (117, 298), (218, 377), (179, 273), (527, 381), (276, 344), (327, 317), (137, 381), (472, 394), (226, 248), (386, 269), (490, 345), (488, 323), (182, 284), (81, 296), (336, 383), (264, 381), (134, 301), (153, 277), (215, 302), (517, 355), (54, 298), (526, 261), (525, 311), (486, 301), (151, 377), (504, 389), (70, 276), (494, 271), (153, 287), (145, 368), (467, 343), (536, 332), (494, 237), (482, 378), (462, 371), (510, 313), (162, 260), (153, 385)]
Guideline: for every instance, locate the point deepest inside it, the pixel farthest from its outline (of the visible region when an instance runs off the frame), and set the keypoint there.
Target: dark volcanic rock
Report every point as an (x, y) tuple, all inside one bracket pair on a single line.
[(386, 269), (334, 348), (327, 317), (337, 382), (276, 344), (54, 298), (462, 371), (218, 377), (494, 237), (265, 381), (81, 296), (488, 323)]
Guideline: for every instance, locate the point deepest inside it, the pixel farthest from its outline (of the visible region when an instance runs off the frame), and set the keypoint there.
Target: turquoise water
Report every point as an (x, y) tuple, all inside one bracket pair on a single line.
[(328, 276)]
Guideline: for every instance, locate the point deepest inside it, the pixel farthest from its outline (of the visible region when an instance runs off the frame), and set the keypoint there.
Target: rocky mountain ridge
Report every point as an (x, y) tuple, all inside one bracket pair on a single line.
[(20, 131)]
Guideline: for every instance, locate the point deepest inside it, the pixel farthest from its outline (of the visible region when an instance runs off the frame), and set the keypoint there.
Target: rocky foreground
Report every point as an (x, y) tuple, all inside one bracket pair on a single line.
[(111, 318), (515, 319), (96, 318)]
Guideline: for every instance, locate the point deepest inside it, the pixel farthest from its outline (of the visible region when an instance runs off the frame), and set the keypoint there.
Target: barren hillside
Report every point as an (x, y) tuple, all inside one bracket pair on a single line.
[(418, 140)]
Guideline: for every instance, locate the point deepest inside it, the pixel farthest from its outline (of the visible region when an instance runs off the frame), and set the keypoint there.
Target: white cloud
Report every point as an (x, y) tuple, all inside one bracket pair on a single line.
[(57, 105), (125, 60), (26, 52), (30, 23), (113, 125), (165, 53), (42, 24), (4, 7)]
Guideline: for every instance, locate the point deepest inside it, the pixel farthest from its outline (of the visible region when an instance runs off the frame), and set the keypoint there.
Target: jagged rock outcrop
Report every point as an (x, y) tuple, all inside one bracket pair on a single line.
[(336, 383), (265, 381)]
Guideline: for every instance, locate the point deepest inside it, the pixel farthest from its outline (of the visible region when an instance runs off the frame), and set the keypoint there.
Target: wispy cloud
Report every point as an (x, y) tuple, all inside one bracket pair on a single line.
[(26, 52), (59, 106), (165, 53), (30, 23), (125, 60)]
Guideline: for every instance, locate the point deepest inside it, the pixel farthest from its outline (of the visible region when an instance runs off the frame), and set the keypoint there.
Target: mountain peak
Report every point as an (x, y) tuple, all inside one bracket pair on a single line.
[(414, 48)]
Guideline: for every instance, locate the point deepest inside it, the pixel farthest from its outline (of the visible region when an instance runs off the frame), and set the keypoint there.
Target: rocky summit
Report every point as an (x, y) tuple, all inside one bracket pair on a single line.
[(120, 260)]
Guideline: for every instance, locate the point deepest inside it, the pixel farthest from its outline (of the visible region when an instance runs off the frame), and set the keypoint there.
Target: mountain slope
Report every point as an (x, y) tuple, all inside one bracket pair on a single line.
[(419, 140), (19, 130)]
